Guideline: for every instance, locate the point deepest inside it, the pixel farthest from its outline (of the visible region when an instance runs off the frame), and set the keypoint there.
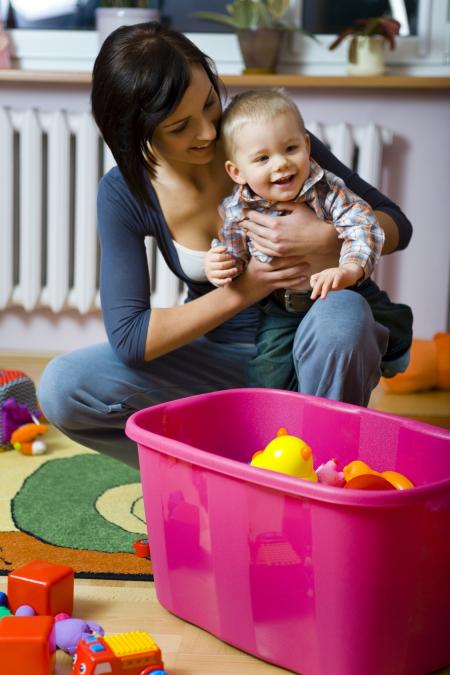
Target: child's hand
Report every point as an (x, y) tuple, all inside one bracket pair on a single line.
[(220, 267), (334, 279)]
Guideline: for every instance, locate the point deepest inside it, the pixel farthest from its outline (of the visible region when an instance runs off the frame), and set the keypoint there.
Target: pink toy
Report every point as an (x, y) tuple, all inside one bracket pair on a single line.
[(62, 616), (328, 474)]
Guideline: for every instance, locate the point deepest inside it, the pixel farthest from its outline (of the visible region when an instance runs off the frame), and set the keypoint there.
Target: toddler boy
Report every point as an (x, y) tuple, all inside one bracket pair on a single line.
[(268, 153)]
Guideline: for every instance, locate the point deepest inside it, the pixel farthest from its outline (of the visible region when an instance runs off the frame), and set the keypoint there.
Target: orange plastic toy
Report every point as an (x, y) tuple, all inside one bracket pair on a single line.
[(24, 439), (429, 367), (46, 587), (359, 475), (286, 454), (27, 645)]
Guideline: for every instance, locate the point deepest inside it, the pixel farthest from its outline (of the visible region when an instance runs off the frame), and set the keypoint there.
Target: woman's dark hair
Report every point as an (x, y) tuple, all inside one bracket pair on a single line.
[(140, 75)]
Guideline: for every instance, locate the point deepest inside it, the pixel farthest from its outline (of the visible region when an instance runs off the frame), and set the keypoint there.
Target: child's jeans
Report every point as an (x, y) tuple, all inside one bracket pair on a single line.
[(276, 365)]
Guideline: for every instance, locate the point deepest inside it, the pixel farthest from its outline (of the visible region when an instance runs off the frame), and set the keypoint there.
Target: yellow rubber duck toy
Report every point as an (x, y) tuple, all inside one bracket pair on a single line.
[(286, 454)]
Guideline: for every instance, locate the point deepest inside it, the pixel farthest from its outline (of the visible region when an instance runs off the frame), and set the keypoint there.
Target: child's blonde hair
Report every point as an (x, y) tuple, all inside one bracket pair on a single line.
[(254, 106)]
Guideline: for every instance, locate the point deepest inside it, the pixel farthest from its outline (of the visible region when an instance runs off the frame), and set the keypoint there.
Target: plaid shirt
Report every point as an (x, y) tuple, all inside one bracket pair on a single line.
[(331, 201)]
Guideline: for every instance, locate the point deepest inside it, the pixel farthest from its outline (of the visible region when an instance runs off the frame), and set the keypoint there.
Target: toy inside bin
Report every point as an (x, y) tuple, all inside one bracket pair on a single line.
[(313, 578)]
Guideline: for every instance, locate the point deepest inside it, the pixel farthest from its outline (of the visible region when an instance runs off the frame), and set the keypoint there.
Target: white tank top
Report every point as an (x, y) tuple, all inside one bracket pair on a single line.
[(192, 262)]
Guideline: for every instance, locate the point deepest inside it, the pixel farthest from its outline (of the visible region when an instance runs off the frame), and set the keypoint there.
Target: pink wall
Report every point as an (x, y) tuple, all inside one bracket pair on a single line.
[(416, 175)]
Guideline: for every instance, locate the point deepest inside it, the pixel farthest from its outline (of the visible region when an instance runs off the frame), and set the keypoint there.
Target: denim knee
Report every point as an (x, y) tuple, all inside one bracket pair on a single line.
[(340, 322), (55, 392), (338, 348)]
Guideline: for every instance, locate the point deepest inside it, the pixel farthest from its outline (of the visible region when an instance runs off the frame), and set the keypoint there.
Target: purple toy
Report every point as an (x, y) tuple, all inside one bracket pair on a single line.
[(68, 633), (18, 403)]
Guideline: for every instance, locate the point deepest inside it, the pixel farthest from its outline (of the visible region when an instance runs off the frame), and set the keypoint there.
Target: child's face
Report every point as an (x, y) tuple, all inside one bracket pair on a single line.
[(272, 157)]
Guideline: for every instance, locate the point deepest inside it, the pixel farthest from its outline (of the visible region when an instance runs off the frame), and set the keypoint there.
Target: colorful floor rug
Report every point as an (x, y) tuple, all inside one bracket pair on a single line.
[(73, 506)]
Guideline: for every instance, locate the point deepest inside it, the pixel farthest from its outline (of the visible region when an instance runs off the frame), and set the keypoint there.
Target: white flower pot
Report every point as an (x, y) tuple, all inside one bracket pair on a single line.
[(366, 55), (107, 19)]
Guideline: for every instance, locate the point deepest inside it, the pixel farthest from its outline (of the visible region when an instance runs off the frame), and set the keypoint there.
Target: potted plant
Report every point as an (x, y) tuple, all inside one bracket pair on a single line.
[(112, 14), (260, 26), (368, 39)]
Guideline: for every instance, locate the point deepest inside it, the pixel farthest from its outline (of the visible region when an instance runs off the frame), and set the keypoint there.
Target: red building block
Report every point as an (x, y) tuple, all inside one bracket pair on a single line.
[(27, 645), (46, 587)]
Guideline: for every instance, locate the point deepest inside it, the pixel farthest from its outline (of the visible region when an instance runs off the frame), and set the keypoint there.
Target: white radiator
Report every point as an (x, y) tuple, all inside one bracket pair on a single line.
[(50, 164)]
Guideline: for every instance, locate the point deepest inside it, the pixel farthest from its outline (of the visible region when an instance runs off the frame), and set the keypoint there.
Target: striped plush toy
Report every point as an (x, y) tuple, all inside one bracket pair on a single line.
[(18, 409)]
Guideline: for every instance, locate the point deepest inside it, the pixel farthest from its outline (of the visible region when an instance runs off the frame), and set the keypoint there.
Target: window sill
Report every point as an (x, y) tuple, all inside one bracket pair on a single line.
[(276, 80)]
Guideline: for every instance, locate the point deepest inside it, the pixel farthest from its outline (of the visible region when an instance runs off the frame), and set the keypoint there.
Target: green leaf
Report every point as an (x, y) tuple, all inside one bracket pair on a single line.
[(278, 8), (246, 13)]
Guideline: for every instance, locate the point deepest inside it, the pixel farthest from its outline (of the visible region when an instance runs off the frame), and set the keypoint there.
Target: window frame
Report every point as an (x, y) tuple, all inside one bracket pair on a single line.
[(428, 53)]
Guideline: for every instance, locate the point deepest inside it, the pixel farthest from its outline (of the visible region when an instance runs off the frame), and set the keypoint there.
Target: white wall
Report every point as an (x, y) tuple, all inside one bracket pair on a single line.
[(416, 175)]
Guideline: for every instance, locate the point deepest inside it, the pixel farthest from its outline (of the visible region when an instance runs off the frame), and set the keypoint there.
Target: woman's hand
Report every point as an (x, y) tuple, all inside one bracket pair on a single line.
[(298, 232), (260, 279)]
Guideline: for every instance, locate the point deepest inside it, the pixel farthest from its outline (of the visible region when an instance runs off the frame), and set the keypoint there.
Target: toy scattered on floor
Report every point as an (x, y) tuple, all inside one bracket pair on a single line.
[(329, 474), (134, 653), (27, 645), (35, 619), (142, 548), (292, 456), (46, 587), (25, 610), (25, 440), (286, 454), (69, 632), (360, 475), (19, 414), (429, 367)]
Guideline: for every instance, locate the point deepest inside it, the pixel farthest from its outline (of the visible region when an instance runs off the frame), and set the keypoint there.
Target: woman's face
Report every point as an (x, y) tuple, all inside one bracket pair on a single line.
[(189, 133)]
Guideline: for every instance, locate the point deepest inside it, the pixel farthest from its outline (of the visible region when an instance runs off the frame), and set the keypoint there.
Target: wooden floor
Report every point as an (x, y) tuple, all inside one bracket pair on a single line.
[(432, 407), (125, 606)]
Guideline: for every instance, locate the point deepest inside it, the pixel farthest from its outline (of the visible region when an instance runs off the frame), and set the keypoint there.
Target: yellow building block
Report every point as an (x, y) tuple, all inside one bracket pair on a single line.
[(128, 644)]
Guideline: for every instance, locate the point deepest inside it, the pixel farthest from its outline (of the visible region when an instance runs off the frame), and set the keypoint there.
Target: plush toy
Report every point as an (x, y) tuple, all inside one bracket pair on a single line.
[(429, 367), (69, 632), (19, 414), (328, 474)]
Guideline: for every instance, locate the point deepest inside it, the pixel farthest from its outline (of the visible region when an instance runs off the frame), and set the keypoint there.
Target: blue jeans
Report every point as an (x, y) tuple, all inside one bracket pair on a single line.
[(89, 394)]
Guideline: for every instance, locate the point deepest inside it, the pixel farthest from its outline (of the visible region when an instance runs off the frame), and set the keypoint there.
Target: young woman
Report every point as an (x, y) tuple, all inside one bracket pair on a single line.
[(156, 100)]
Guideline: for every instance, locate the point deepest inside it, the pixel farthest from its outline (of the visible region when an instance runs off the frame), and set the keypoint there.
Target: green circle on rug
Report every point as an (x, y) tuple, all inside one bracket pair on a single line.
[(57, 503)]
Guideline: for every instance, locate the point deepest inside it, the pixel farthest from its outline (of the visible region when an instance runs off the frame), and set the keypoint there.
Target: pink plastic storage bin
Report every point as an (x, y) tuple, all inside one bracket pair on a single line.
[(317, 579)]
